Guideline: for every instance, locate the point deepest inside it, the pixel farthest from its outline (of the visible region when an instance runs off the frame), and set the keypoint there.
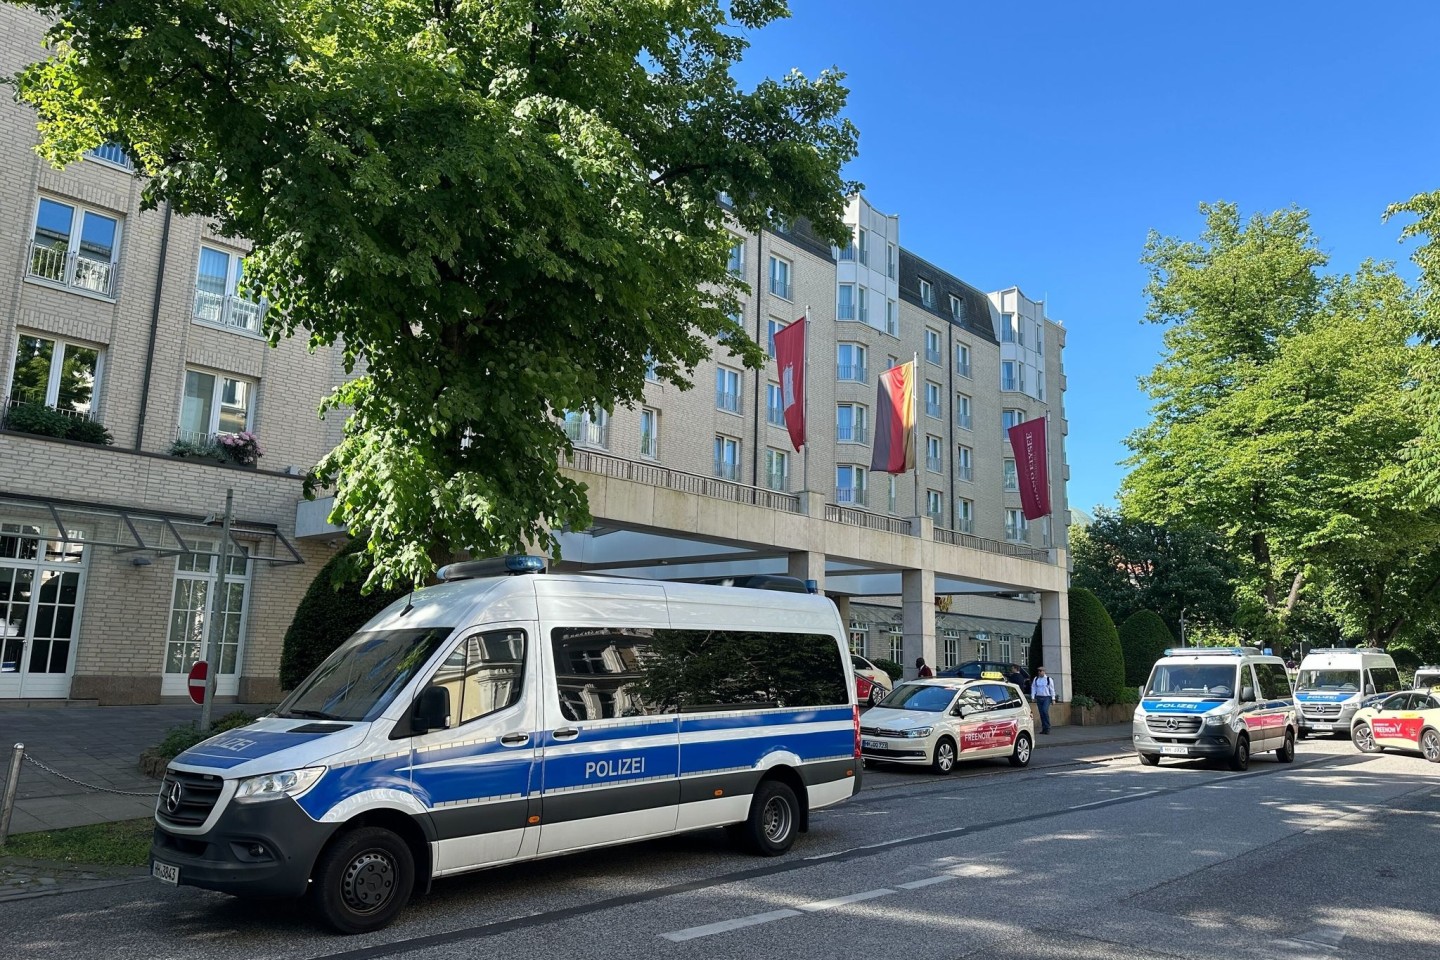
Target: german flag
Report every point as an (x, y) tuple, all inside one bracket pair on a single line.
[(895, 421)]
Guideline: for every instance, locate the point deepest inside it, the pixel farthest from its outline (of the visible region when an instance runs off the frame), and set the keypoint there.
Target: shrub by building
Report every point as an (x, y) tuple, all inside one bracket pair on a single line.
[(1143, 639), (1097, 663)]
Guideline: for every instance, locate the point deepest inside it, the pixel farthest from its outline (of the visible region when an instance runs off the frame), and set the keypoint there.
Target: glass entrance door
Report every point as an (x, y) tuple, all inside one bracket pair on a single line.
[(40, 583), (192, 604)]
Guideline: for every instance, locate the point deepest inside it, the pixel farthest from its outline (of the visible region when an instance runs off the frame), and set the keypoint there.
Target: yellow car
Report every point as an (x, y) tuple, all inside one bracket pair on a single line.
[(1409, 720)]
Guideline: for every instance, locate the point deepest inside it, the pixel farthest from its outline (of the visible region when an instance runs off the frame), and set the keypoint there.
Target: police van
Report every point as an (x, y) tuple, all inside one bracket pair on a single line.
[(1426, 677), (492, 719), (1333, 683), (1223, 703)]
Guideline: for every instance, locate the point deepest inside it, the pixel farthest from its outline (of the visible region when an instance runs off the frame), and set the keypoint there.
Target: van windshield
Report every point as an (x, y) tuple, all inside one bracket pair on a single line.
[(358, 681), (1335, 681), (1208, 680)]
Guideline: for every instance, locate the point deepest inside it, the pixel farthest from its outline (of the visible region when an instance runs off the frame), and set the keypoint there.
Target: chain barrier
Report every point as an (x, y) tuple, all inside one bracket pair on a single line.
[(152, 794)]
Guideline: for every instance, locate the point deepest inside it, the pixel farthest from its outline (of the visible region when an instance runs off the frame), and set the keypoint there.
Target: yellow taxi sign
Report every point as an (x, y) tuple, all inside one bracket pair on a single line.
[(992, 675)]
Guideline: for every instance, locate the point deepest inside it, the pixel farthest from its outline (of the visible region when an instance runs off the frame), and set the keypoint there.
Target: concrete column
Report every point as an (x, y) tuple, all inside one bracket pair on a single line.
[(842, 603), (917, 594), (1055, 639), (807, 565), (812, 503)]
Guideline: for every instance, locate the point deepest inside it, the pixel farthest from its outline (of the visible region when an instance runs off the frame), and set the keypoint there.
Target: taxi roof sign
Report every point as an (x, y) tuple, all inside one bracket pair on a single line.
[(992, 675)]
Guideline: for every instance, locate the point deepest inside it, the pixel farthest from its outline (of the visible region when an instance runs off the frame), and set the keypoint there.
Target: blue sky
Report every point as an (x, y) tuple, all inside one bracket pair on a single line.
[(1037, 144)]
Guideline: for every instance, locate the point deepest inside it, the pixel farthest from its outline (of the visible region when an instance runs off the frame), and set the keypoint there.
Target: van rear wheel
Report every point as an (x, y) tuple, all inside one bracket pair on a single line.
[(1430, 745), (363, 880), (774, 817)]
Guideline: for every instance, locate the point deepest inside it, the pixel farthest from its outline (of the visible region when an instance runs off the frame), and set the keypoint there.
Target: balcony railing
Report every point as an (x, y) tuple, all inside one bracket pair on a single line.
[(851, 433), (776, 481), (847, 252), (863, 518), (965, 525), (934, 465), (780, 286), (962, 369), (58, 265), (588, 433), (854, 372), (1009, 383), (7, 405), (965, 472), (932, 409), (775, 416), (932, 355), (112, 153), (957, 538), (850, 496), (229, 311), (650, 447), (845, 311), (725, 400), (726, 470), (964, 421)]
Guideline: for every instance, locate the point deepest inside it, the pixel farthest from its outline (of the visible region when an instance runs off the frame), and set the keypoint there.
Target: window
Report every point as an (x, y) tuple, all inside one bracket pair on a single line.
[(1040, 385), (964, 463), (850, 362), (652, 369), (845, 302), (927, 293), (588, 428), (850, 485), (932, 399), (957, 309), (727, 389), (1012, 479), (963, 418), (75, 247), (1383, 679), (847, 252), (774, 405), (933, 461), (1016, 526), (864, 246), (965, 515), (897, 644), (962, 360), (649, 433), (892, 261), (727, 457), (1010, 417), (891, 363), (932, 346), (56, 374), (780, 277), (111, 153), (1040, 338), (214, 403), (892, 319), (952, 648), (850, 423), (935, 505), (1006, 647), (483, 674), (217, 292), (193, 604), (864, 295), (1009, 329), (736, 262), (774, 327), (1009, 375), (1274, 681), (892, 500), (777, 469), (857, 638)]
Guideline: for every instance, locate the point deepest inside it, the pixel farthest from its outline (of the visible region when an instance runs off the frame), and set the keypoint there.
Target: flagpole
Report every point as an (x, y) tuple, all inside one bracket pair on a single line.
[(1049, 485), (805, 410), (915, 415)]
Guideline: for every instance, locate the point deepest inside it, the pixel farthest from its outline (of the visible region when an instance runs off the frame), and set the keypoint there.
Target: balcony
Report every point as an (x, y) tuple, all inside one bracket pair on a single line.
[(1015, 534), (934, 465), (962, 369), (58, 265), (229, 311), (964, 421), (31, 414), (850, 496), (775, 416), (780, 286), (851, 433), (776, 481), (650, 447), (1011, 384), (932, 355), (852, 372), (965, 472), (845, 311), (932, 409), (113, 154), (726, 470), (847, 253), (965, 525), (725, 400), (588, 433)]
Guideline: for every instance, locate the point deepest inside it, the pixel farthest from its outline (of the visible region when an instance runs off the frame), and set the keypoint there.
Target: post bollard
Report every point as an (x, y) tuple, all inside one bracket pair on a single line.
[(12, 784)]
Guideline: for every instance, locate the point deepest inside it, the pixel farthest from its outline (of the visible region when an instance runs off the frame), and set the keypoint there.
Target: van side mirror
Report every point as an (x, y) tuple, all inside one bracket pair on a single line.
[(1369, 688), (432, 710), (1247, 694)]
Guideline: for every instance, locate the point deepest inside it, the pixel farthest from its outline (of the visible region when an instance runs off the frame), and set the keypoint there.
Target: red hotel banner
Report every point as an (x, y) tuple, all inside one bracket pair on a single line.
[(790, 355), (1032, 467), (895, 420)]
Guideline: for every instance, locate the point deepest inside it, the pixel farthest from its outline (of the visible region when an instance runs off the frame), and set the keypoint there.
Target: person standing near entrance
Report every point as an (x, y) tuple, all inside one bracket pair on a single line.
[(1042, 688), (922, 669)]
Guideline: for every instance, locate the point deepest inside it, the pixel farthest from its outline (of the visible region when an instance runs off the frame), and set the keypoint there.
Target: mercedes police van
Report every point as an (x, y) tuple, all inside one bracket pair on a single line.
[(493, 719), (1333, 683), (1222, 703), (1426, 677)]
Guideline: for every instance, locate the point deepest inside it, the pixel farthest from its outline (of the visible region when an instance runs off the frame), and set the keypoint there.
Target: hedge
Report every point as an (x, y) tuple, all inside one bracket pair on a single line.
[(1143, 638), (1097, 664)]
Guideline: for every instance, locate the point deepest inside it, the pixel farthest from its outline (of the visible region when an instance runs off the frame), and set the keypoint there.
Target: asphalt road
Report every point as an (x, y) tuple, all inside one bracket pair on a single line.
[(1084, 855)]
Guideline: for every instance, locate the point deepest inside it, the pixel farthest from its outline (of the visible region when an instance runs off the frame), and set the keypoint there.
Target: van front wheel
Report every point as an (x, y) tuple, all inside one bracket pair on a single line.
[(1240, 759), (363, 880), (774, 816), (1286, 753)]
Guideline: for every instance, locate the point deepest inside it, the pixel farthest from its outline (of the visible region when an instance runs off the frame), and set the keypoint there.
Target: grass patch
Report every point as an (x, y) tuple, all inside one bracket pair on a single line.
[(125, 843)]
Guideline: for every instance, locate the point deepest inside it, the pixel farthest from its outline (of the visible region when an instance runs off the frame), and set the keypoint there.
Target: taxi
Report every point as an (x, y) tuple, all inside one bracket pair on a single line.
[(1409, 720), (871, 683), (939, 721)]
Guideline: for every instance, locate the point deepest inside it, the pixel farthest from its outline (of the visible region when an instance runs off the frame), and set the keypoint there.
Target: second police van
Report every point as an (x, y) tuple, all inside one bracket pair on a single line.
[(495, 719), (1221, 703), (1334, 682)]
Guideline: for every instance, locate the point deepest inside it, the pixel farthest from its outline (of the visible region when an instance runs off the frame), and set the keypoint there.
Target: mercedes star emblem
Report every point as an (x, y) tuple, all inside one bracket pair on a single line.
[(1171, 724), (172, 798)]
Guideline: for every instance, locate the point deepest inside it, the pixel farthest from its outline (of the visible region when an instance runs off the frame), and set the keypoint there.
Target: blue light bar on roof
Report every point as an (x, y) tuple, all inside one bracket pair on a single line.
[(495, 567), (1208, 651)]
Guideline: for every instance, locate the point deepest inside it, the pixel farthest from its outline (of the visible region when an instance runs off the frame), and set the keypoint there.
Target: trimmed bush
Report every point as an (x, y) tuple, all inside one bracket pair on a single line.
[(1143, 638), (1037, 649), (331, 610), (892, 668), (1097, 664), (88, 431), (37, 419)]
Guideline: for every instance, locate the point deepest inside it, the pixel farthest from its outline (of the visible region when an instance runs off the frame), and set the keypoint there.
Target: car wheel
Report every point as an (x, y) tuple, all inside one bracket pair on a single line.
[(1149, 759), (1021, 756), (1240, 759), (877, 693), (1286, 753), (774, 817), (363, 879), (1364, 738), (1430, 745), (944, 760)]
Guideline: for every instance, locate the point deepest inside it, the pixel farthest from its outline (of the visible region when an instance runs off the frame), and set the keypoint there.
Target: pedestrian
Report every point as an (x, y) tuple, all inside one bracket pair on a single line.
[(1042, 688), (924, 671)]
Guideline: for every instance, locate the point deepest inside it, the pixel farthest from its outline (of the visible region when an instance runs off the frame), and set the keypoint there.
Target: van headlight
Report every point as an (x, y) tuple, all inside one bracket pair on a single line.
[(272, 786), (1216, 720), (919, 732)]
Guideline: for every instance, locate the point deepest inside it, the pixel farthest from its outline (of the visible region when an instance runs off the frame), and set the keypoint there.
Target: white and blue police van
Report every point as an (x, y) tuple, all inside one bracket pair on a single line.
[(1334, 682), (1220, 703), (492, 719)]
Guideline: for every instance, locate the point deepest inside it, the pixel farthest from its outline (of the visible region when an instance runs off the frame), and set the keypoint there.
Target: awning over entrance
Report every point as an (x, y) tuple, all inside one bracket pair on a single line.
[(67, 527)]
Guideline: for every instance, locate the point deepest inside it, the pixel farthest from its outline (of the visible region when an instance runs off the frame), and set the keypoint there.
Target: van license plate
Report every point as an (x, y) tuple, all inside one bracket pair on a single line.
[(1175, 751), (166, 873), (1322, 726), (874, 745)]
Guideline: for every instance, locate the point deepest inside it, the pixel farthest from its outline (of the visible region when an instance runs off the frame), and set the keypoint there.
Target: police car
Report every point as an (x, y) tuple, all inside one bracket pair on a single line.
[(937, 721), (1409, 720)]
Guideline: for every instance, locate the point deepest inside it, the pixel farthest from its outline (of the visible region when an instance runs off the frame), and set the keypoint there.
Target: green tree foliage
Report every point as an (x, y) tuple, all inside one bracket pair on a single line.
[(332, 609), (1097, 664), (501, 211), (1143, 639), (1133, 565), (1037, 648)]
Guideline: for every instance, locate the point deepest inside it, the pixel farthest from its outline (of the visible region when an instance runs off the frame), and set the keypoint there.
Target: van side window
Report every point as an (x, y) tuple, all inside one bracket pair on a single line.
[(483, 673), (1386, 679), (1274, 682), (598, 671)]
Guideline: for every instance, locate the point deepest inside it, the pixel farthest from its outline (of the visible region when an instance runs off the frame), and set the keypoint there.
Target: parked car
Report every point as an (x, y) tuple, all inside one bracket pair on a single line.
[(1409, 720), (877, 685), (990, 670), (938, 721)]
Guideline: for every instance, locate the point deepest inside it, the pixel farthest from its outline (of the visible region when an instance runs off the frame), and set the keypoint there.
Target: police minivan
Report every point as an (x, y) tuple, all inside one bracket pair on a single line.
[(1334, 682), (493, 719), (1223, 703)]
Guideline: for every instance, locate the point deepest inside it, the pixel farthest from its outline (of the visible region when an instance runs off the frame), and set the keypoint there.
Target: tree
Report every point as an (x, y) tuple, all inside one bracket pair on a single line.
[(1097, 664), (332, 609), (1132, 565), (1143, 639), (501, 211)]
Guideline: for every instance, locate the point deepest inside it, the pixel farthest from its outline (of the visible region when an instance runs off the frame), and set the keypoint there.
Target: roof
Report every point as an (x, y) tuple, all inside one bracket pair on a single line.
[(977, 313)]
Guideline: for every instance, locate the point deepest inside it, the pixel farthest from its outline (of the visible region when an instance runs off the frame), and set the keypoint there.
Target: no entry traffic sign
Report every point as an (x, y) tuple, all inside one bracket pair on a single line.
[(197, 680)]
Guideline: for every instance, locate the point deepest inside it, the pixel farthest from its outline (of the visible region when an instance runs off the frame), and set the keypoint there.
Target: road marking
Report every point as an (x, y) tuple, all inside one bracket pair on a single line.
[(724, 926), (842, 901), (917, 884), (1110, 801)]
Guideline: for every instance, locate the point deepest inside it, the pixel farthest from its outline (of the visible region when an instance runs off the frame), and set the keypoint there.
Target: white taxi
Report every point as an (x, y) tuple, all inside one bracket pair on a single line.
[(936, 722), (878, 683), (1409, 720)]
